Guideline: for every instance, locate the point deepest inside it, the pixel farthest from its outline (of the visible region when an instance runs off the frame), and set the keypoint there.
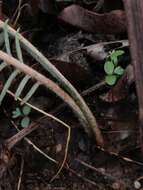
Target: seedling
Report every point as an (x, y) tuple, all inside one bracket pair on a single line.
[(112, 69), (22, 114)]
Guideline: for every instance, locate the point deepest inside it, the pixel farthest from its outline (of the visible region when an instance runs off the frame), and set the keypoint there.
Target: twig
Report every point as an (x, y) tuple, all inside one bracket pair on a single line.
[(93, 88), (40, 151), (84, 93), (96, 170), (83, 178), (19, 13), (126, 159), (65, 157), (20, 175)]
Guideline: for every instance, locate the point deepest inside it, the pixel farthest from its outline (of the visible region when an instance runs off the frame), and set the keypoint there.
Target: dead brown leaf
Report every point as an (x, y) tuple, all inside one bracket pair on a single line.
[(112, 22)]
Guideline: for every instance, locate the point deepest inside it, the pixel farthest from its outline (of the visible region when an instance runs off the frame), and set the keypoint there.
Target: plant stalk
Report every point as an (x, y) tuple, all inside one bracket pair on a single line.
[(91, 121)]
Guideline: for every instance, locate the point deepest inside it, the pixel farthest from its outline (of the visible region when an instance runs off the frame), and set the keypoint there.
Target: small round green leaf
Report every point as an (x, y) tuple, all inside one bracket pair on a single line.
[(110, 79), (26, 110), (119, 70), (16, 113), (25, 122), (109, 67), (114, 56)]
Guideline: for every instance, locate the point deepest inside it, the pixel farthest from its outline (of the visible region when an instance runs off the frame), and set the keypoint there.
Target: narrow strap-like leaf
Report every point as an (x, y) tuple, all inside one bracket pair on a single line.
[(7, 85), (31, 92), (2, 66), (6, 38), (18, 48), (21, 86)]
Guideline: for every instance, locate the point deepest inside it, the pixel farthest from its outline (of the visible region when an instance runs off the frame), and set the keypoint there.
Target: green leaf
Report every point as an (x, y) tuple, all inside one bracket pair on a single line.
[(26, 110), (6, 38), (111, 79), (18, 48), (116, 53), (109, 67), (119, 70), (21, 86), (1, 38), (25, 122), (16, 113), (2, 66), (7, 84), (31, 92), (115, 60)]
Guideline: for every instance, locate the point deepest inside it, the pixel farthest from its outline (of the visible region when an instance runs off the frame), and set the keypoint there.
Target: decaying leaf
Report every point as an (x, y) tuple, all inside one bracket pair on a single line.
[(112, 22)]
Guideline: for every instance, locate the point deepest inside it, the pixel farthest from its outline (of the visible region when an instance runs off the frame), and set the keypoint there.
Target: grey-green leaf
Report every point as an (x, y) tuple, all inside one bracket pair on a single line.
[(25, 122), (109, 67), (16, 113), (6, 38), (1, 38), (119, 70), (7, 84), (18, 48), (26, 110), (31, 92), (2, 66), (21, 86), (111, 79)]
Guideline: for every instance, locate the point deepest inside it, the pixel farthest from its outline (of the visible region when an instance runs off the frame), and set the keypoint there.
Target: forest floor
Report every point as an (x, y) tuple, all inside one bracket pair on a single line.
[(79, 50)]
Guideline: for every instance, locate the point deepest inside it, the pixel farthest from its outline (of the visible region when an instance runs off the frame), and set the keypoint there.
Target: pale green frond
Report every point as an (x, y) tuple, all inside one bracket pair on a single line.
[(21, 86), (7, 85), (18, 48), (6, 37), (2, 66), (31, 92)]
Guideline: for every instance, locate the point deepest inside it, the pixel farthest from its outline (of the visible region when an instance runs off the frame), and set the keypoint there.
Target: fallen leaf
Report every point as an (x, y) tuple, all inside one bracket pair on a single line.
[(112, 22)]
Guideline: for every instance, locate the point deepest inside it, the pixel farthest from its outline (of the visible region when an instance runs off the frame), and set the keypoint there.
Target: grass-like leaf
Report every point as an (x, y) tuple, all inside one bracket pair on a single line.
[(7, 85), (21, 86), (31, 92), (18, 48), (6, 38), (2, 66)]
